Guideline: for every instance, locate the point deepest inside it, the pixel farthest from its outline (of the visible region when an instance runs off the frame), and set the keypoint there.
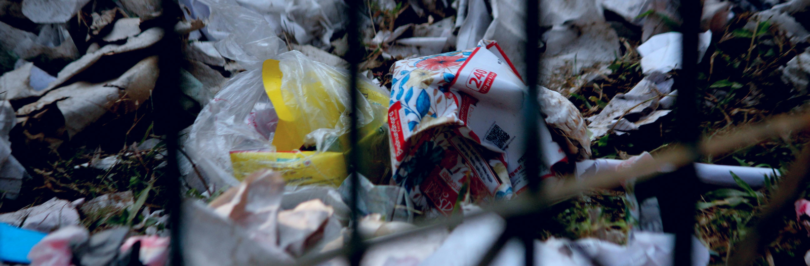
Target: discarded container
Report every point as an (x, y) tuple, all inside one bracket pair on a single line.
[(298, 168), (15, 243), (290, 114), (456, 122)]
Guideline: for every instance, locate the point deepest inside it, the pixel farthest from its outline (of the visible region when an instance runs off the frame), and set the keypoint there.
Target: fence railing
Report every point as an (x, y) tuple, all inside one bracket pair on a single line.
[(677, 202)]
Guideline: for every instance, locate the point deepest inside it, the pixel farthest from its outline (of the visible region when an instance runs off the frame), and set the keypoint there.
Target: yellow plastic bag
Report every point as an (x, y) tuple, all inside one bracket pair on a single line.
[(316, 98), (311, 101)]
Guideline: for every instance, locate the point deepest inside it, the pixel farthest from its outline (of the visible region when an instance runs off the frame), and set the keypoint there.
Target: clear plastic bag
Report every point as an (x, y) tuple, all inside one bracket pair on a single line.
[(312, 104), (221, 127), (238, 132)]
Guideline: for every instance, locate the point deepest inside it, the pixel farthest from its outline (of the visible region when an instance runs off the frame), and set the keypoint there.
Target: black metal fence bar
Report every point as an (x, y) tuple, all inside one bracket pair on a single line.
[(167, 106), (354, 57), (682, 196)]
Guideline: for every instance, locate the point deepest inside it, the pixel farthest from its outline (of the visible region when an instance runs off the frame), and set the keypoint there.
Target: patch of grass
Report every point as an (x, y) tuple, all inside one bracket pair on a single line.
[(592, 97), (599, 214)]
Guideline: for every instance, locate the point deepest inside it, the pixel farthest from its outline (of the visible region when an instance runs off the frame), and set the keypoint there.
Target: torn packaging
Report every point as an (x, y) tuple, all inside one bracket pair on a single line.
[(83, 103), (455, 120)]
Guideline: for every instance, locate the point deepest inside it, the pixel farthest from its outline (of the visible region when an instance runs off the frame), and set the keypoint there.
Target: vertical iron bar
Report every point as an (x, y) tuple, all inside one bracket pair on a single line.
[(528, 244), (167, 105), (354, 55), (532, 109), (531, 157), (680, 198)]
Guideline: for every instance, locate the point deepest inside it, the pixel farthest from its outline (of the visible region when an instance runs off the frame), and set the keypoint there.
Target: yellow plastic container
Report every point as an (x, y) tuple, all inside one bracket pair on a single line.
[(297, 168)]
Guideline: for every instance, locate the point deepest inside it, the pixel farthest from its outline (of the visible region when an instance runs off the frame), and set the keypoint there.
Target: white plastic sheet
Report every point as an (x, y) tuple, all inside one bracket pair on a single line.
[(662, 52)]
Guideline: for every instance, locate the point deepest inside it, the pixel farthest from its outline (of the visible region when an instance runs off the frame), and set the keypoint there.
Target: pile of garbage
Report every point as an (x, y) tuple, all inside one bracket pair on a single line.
[(266, 112)]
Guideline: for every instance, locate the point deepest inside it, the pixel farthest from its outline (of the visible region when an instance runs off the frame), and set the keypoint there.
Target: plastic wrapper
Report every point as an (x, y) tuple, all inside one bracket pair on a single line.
[(304, 118), (223, 125), (311, 101), (242, 33), (456, 122)]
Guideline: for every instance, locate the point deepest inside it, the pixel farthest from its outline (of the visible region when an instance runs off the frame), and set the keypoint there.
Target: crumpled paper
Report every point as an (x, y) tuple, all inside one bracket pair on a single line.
[(141, 41), (409, 250), (49, 11), (12, 173), (406, 251), (122, 29), (628, 9), (24, 81), (374, 225), (254, 205), (637, 107), (579, 38), (142, 8), (303, 226), (83, 103), (102, 248), (797, 73), (46, 217), (53, 46), (56, 248), (644, 249), (563, 117), (474, 26), (212, 240), (468, 242), (662, 52)]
